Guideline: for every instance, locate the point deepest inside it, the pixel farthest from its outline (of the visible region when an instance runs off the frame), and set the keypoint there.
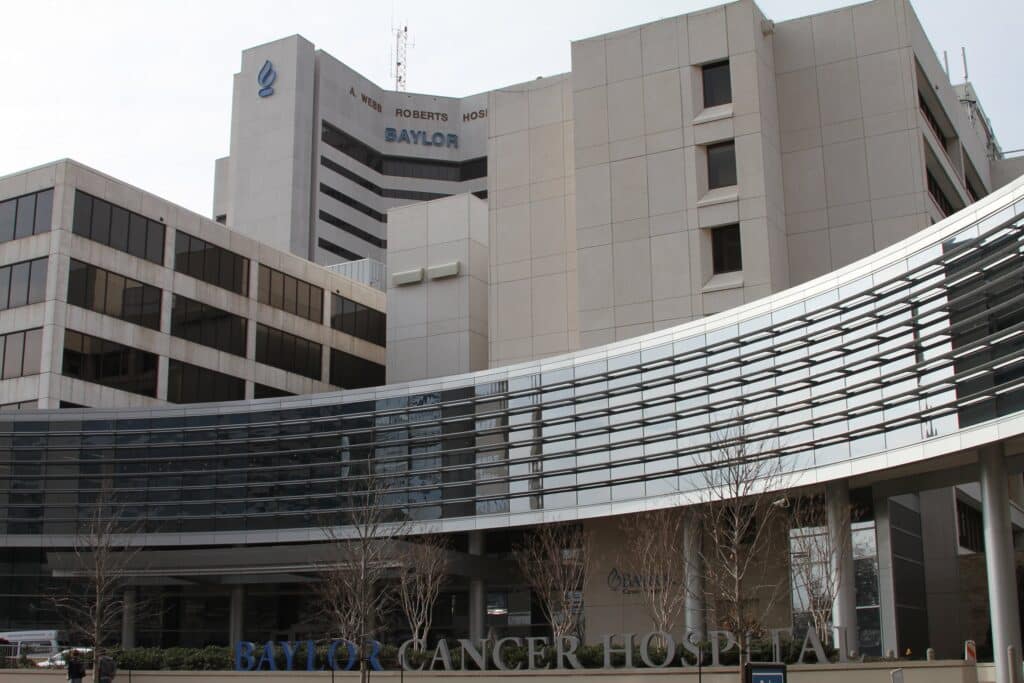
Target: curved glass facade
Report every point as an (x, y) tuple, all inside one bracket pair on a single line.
[(918, 342)]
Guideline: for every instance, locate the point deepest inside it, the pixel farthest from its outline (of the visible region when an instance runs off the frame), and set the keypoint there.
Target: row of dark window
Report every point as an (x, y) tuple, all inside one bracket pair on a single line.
[(288, 352), (930, 118), (23, 283), (717, 84), (118, 228), (115, 295), (20, 353), (132, 233), (970, 527), (338, 251), (973, 191), (187, 383), (726, 249), (303, 357), (24, 216), (121, 297), (353, 230), (721, 157), (291, 294), (108, 363), (407, 167), (939, 195), (266, 391), (211, 264), (353, 203), (353, 372), (358, 320), (207, 325), (377, 189), (99, 220), (20, 405), (721, 164), (100, 361)]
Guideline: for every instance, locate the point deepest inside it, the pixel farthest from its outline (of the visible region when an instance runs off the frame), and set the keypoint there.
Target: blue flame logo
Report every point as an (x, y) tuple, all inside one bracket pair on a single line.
[(266, 79)]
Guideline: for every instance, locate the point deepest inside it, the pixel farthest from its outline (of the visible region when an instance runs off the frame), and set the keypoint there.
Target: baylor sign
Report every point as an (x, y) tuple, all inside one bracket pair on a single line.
[(485, 654)]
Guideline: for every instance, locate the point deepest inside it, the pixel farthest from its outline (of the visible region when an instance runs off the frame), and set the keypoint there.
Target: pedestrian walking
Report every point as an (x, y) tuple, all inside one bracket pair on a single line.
[(76, 667), (106, 669)]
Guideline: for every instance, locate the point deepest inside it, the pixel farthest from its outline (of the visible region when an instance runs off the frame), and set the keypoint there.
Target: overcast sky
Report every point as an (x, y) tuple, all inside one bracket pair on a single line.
[(142, 89)]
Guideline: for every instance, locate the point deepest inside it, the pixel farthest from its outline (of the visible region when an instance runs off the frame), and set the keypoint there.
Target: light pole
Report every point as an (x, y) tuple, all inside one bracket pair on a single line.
[(364, 660), (694, 640)]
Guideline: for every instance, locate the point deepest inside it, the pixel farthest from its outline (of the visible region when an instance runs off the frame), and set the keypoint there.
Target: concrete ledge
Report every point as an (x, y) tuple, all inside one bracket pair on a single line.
[(443, 270), (407, 277)]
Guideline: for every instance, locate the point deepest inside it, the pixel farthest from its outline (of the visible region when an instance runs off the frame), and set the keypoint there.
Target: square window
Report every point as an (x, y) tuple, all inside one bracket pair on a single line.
[(119, 220), (5, 286), (19, 284), (182, 251), (26, 218), (33, 352), (137, 235), (726, 252), (721, 165), (717, 84), (263, 285), (44, 211), (8, 210), (37, 281), (12, 355), (100, 228), (277, 289), (155, 242)]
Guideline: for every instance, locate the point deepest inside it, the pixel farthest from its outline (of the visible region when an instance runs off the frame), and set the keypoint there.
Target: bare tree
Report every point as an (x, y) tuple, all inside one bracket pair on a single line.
[(92, 601), (815, 558), (744, 483), (555, 560), (424, 569), (357, 587), (656, 558)]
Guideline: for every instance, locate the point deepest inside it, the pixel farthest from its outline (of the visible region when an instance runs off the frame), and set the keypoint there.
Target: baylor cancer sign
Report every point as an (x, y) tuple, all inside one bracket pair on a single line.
[(301, 655)]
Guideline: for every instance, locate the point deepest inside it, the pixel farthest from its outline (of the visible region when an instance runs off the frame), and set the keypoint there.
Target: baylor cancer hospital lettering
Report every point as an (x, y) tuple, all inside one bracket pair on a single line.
[(657, 650), (421, 137)]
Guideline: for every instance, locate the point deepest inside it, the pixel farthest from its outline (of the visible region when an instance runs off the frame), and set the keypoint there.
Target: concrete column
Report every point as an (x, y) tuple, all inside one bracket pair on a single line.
[(886, 585), (999, 559), (128, 619), (695, 613), (942, 572), (237, 615), (477, 591), (844, 608)]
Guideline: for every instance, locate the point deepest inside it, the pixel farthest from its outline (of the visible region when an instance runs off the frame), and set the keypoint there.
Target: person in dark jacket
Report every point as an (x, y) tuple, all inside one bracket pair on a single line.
[(76, 667), (106, 669)]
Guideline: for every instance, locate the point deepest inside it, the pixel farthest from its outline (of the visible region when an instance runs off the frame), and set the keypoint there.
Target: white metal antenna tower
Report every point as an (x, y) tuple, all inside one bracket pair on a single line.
[(401, 52)]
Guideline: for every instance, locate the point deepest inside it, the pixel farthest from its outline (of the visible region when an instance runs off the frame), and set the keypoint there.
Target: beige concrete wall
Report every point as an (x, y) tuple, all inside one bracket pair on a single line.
[(609, 609), (644, 212), (270, 166), (854, 142), (914, 672), (852, 166), (1006, 170), (531, 192), (437, 326)]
